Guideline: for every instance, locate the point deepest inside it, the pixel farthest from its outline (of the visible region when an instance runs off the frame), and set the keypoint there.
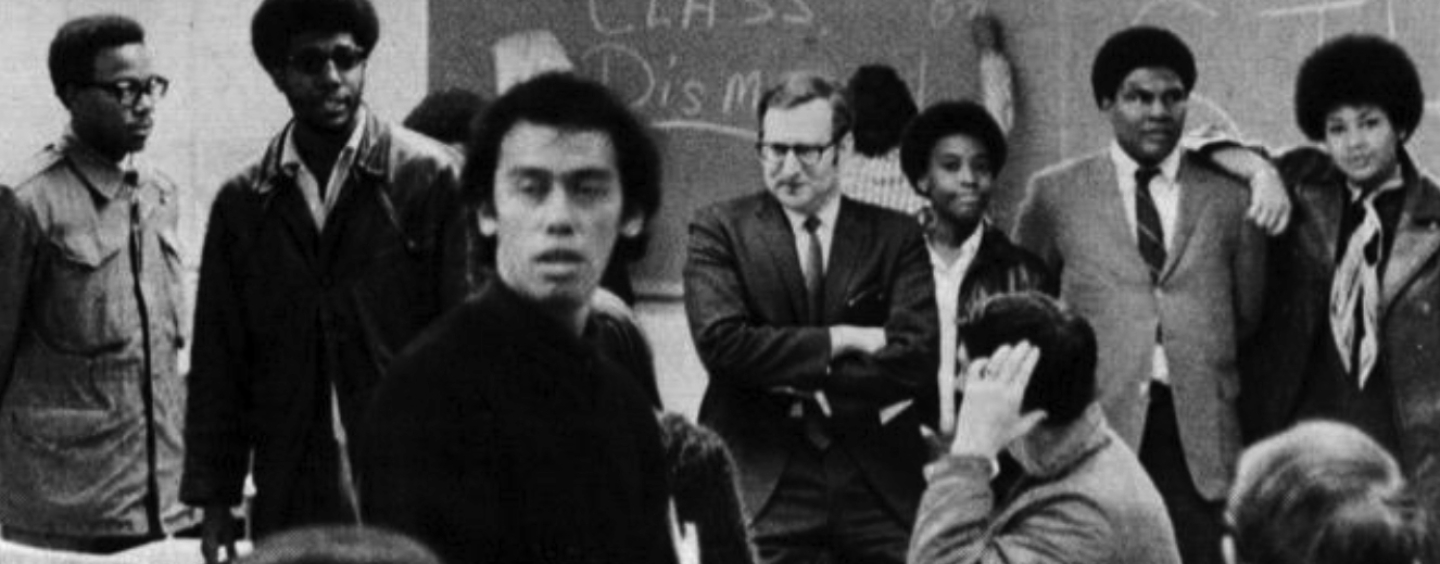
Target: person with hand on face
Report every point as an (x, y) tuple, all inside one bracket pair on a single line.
[(322, 260), (505, 434), (91, 399), (1152, 246), (1351, 336), (1068, 489), (815, 317)]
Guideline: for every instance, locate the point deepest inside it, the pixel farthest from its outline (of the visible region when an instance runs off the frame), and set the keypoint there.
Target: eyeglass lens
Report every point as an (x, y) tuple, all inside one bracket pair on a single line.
[(128, 91), (805, 153), (312, 61)]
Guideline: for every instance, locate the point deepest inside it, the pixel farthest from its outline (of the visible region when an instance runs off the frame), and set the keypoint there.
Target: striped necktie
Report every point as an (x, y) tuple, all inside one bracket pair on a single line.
[(1147, 222)]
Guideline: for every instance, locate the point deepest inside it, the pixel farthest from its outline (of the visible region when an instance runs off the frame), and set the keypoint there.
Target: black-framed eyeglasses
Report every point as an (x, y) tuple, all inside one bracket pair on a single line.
[(807, 153), (314, 60), (127, 91)]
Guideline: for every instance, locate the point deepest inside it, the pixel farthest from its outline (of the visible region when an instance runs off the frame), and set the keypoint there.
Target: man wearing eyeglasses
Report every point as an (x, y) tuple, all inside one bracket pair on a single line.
[(90, 398), (815, 317), (321, 261)]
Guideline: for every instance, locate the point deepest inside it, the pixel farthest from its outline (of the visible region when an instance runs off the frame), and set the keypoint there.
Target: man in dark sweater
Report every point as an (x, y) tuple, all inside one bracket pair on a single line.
[(504, 434)]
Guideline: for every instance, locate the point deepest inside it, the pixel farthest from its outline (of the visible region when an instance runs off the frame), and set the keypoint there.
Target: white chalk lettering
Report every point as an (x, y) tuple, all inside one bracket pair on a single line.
[(600, 26)]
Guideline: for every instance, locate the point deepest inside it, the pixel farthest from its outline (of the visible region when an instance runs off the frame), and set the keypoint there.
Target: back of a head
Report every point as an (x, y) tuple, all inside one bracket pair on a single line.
[(1063, 384), (340, 545), (1324, 493), (883, 106), (446, 115)]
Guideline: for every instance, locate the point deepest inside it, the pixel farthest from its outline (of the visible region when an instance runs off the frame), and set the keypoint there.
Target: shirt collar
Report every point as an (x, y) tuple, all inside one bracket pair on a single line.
[(1125, 166), (104, 176), (290, 155), (1394, 183), (827, 214), (968, 250)]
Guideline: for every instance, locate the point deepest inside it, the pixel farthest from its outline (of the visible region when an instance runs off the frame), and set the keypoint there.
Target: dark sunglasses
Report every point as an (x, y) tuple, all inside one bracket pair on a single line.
[(314, 60), (127, 91)]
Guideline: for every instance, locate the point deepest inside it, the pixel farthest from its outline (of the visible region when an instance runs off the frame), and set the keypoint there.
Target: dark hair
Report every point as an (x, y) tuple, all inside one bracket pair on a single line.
[(1135, 48), (446, 115), (1063, 384), (569, 103), (336, 544), (882, 105), (1324, 493), (797, 88), (277, 22), (1353, 70), (79, 41), (942, 120)]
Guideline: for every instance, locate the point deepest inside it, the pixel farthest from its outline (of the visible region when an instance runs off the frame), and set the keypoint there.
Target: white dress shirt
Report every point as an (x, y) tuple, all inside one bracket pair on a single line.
[(948, 278), (826, 231), (1165, 191)]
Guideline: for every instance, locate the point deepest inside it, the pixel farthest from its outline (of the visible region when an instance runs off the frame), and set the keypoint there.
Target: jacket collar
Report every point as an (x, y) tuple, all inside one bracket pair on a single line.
[(104, 177), (1066, 446), (371, 159)]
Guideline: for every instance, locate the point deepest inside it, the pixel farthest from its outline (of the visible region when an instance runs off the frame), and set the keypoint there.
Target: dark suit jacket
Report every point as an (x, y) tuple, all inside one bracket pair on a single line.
[(1207, 298), (1304, 265), (745, 298), (1002, 267)]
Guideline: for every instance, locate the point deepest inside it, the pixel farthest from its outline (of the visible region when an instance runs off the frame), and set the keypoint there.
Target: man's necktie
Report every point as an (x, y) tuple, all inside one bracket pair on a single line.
[(814, 267), (1147, 222), (814, 270), (1355, 296)]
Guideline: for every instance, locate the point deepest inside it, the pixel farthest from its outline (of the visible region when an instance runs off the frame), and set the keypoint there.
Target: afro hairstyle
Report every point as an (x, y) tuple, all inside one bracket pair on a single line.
[(1356, 70)]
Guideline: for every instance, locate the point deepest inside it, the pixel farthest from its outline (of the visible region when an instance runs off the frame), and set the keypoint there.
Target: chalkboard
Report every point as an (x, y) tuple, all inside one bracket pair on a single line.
[(694, 68)]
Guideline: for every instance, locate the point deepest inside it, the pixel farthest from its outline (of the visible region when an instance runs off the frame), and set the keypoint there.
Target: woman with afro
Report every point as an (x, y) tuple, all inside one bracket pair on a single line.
[(1352, 324)]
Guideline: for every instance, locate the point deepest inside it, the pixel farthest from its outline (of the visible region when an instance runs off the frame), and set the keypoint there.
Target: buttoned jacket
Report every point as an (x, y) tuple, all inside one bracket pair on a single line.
[(90, 326), (1204, 303)]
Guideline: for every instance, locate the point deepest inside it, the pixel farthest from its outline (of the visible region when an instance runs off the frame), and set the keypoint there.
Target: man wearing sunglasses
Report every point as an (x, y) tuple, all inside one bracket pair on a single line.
[(815, 317), (321, 261), (90, 397)]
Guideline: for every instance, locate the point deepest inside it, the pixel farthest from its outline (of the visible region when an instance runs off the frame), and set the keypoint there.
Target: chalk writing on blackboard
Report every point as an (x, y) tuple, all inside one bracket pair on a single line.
[(612, 18)]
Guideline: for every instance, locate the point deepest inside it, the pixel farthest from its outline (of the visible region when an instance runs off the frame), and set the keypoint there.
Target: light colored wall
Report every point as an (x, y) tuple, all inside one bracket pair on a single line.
[(222, 107)]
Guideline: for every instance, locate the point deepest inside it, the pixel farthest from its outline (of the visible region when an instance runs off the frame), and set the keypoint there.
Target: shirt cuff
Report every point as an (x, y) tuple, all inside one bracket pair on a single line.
[(972, 466)]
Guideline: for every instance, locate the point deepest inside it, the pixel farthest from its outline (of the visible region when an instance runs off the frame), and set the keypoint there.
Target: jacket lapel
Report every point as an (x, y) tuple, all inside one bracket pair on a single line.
[(275, 187), (1319, 235), (1417, 238), (1110, 210), (849, 236), (779, 243), (1187, 215)]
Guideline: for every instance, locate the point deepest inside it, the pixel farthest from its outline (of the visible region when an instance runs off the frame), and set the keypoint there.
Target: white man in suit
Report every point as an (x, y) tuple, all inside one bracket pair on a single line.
[(1154, 249), (815, 317)]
